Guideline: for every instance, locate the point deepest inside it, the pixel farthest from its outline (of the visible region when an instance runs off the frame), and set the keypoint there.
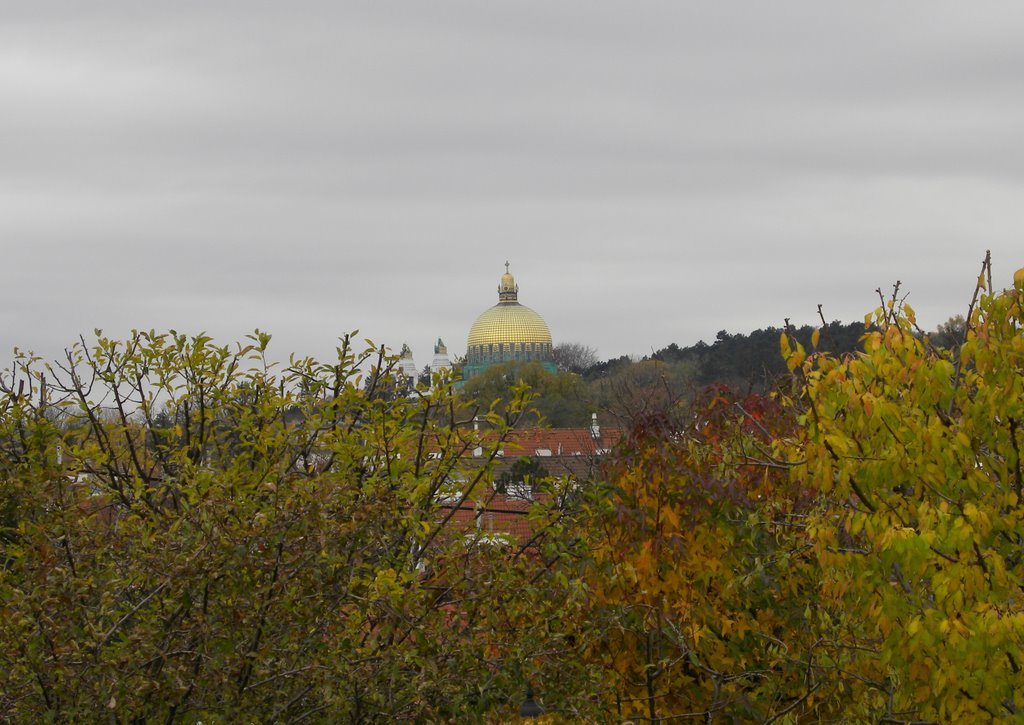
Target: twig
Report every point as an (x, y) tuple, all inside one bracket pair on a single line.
[(131, 612), (986, 265)]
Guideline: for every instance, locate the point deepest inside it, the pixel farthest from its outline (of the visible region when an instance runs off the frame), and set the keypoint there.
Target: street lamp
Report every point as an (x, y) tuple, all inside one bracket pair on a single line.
[(530, 708)]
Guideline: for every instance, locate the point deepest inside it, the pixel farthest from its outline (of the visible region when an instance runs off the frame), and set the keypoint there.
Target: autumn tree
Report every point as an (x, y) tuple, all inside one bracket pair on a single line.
[(638, 390), (559, 400), (950, 333), (918, 454), (210, 536), (574, 357), (699, 567), (846, 550)]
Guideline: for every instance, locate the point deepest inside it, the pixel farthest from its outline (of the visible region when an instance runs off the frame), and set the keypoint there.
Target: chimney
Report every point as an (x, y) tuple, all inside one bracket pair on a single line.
[(595, 429)]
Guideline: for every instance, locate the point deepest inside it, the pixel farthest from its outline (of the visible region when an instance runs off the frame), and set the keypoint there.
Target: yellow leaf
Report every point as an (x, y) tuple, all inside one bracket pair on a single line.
[(795, 358), (815, 336), (643, 561)]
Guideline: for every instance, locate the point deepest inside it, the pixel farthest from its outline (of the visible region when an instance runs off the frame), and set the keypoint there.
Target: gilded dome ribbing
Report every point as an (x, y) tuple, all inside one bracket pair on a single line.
[(509, 322)]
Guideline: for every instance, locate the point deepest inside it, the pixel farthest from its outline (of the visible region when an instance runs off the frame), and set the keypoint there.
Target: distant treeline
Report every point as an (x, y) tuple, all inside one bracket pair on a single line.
[(750, 361), (630, 386)]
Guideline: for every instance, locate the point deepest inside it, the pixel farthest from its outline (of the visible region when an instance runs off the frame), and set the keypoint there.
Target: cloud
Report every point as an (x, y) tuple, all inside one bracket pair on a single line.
[(654, 172)]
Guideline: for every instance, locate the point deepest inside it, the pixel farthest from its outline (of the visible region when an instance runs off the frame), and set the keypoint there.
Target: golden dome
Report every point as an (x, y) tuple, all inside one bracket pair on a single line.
[(509, 322), (508, 331)]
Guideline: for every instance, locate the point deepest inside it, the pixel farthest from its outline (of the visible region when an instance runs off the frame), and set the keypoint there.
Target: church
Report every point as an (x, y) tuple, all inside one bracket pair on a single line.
[(507, 332)]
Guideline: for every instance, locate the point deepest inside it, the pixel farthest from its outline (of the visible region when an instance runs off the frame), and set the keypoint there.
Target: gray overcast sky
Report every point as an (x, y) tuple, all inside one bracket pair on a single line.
[(655, 171)]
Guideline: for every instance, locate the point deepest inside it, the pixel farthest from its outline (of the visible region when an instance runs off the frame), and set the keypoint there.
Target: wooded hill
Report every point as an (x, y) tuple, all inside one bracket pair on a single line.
[(622, 388), (625, 387), (749, 361)]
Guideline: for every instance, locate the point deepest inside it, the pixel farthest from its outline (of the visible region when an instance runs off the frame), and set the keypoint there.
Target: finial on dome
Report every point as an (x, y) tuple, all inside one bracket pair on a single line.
[(508, 290)]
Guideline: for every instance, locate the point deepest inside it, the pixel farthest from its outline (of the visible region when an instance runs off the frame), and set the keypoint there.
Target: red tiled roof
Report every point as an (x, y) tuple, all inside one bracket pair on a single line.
[(560, 442), (560, 451), (500, 514)]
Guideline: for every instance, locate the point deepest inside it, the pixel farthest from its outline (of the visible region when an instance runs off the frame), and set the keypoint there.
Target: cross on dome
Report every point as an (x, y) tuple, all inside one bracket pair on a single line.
[(507, 290)]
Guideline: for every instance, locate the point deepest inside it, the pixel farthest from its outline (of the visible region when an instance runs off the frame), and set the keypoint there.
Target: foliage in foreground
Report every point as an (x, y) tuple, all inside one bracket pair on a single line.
[(190, 535), (275, 546), (699, 583), (918, 456), (851, 552)]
